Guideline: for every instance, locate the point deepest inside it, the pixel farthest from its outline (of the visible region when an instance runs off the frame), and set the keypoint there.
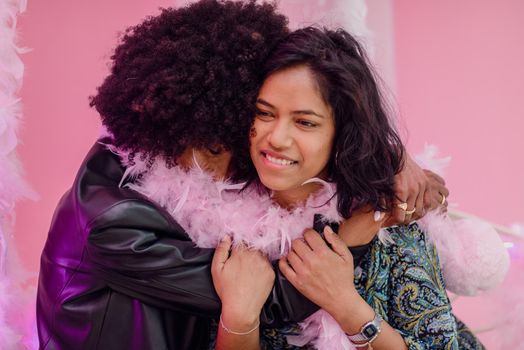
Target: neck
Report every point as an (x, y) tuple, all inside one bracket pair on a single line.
[(296, 196)]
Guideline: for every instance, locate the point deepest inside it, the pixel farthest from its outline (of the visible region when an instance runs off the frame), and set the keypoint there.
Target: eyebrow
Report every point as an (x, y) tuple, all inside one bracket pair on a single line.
[(305, 111)]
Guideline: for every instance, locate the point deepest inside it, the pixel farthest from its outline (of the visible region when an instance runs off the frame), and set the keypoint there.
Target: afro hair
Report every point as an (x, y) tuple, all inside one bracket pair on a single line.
[(188, 77)]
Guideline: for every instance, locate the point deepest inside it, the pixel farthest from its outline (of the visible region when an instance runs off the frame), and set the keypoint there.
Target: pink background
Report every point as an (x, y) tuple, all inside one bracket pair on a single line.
[(460, 77), (71, 43), (460, 85), (456, 67)]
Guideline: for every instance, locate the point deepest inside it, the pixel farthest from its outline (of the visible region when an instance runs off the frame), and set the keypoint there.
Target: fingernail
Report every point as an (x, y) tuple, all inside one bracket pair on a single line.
[(226, 238), (329, 230)]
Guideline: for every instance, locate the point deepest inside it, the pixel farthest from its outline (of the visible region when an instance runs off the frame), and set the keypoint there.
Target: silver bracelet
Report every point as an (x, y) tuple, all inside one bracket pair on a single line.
[(237, 333)]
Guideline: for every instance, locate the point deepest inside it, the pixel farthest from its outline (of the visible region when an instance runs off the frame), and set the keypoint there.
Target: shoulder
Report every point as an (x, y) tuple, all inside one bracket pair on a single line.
[(414, 260), (409, 243), (406, 234), (99, 199), (419, 306)]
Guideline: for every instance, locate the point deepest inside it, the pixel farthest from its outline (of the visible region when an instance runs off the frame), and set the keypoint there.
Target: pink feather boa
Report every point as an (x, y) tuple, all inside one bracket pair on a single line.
[(210, 209)]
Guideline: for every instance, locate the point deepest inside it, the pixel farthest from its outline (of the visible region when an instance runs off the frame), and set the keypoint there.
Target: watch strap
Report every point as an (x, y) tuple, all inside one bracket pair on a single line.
[(364, 335)]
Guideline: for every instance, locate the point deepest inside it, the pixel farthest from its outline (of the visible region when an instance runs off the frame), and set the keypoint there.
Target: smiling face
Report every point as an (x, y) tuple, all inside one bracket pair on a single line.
[(293, 133)]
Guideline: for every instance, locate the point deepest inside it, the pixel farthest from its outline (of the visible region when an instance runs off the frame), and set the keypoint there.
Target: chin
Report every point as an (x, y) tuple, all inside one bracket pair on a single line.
[(277, 184)]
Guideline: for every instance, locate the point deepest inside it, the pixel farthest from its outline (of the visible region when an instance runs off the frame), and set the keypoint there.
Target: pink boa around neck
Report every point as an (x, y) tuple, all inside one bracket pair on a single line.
[(208, 210)]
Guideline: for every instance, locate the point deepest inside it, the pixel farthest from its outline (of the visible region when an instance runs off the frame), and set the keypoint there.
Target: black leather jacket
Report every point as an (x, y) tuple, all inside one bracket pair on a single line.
[(117, 272)]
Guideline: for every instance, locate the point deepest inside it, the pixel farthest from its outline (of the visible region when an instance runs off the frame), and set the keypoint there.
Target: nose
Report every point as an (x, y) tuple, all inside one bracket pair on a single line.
[(280, 136)]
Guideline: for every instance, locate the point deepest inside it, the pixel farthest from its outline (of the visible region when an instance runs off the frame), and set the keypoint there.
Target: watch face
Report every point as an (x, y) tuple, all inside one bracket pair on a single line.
[(369, 331)]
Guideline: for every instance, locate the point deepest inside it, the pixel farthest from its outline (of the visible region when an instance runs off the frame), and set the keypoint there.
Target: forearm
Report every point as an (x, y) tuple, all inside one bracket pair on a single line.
[(389, 339), (159, 265), (226, 341), (425, 320)]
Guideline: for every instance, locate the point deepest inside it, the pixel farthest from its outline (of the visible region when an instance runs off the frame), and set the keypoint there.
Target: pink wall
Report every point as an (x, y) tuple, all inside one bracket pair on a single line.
[(71, 43), (460, 85), (460, 81)]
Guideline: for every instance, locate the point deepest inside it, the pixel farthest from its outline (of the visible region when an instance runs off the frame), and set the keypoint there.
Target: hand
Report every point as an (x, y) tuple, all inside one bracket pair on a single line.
[(322, 275), (243, 281), (361, 227), (420, 189), (325, 276), (436, 193)]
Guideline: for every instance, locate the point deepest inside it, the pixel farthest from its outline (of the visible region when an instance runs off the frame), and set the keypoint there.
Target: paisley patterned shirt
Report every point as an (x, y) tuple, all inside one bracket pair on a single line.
[(403, 282)]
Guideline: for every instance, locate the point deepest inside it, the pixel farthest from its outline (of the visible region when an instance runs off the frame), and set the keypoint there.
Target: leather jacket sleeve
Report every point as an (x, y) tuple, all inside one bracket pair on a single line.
[(138, 249)]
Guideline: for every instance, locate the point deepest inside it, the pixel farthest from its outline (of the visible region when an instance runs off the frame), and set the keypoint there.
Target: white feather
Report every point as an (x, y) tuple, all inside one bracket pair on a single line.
[(15, 318), (210, 209)]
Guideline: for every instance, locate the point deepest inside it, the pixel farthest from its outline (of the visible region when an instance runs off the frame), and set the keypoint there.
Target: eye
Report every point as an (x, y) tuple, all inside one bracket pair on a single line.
[(263, 115), (306, 123), (216, 150)]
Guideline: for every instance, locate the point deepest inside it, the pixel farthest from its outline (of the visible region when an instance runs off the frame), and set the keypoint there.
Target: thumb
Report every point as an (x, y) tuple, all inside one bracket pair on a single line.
[(221, 253), (337, 244)]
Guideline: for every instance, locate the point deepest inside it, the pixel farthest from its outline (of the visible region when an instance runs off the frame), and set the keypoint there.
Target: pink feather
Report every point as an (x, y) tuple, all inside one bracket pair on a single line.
[(210, 209)]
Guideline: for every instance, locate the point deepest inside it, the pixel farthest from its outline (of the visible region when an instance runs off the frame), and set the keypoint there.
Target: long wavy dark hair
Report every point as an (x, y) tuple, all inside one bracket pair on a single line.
[(367, 151), (188, 77)]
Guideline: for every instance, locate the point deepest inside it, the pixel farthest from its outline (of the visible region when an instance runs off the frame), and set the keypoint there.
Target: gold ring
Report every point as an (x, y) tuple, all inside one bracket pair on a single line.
[(410, 212), (403, 206), (443, 199)]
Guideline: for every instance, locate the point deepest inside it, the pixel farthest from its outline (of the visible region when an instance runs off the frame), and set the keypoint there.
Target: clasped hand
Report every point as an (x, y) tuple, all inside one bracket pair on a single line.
[(243, 281), (323, 275)]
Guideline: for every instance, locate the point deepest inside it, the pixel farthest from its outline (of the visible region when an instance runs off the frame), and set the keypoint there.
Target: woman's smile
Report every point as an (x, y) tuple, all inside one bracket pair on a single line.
[(293, 132), (276, 160)]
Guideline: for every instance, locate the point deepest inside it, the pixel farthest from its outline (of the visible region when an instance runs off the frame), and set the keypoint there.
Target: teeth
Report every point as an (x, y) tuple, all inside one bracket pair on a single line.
[(278, 160)]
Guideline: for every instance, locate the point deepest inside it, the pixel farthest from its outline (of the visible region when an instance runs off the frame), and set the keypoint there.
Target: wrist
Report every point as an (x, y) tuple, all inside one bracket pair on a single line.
[(368, 333), (353, 314), (238, 332), (239, 320)]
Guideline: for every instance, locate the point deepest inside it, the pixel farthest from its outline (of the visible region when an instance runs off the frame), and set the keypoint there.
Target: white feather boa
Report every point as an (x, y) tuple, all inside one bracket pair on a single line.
[(16, 321), (210, 209)]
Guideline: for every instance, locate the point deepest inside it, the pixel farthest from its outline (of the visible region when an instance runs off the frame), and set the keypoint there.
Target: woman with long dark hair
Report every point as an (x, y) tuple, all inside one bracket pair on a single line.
[(118, 271), (322, 135)]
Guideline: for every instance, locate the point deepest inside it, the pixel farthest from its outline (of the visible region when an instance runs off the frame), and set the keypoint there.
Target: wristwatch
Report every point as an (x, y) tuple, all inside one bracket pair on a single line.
[(368, 332)]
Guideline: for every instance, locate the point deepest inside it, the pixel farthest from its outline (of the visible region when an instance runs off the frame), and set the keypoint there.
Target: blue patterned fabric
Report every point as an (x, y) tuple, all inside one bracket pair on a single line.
[(403, 283)]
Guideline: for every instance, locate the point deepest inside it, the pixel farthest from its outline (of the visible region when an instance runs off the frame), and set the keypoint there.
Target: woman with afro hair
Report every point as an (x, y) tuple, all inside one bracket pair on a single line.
[(188, 78), (117, 270)]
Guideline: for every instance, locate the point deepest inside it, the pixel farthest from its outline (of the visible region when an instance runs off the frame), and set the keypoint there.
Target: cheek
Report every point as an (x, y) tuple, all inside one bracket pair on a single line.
[(217, 166), (321, 152), (256, 132), (253, 132), (329, 139), (226, 162), (252, 139)]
